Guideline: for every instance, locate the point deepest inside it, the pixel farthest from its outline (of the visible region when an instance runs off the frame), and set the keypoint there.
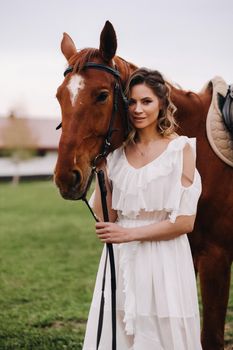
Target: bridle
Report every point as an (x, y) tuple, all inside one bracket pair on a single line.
[(118, 91)]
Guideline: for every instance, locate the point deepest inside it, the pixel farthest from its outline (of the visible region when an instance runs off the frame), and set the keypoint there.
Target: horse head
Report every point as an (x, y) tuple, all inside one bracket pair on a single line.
[(87, 98)]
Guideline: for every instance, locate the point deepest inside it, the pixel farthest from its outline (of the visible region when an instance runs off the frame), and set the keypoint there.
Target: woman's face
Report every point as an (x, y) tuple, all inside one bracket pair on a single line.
[(144, 107)]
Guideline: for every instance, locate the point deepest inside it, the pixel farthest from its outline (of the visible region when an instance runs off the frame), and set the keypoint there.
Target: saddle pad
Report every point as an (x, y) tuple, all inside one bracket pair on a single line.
[(218, 136)]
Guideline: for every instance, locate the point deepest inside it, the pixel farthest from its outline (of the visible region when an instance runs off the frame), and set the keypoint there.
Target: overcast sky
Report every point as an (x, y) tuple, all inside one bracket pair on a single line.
[(189, 41)]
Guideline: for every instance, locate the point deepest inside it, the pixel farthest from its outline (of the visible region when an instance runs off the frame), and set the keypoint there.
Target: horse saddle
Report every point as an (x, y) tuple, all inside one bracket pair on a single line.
[(219, 121), (226, 106)]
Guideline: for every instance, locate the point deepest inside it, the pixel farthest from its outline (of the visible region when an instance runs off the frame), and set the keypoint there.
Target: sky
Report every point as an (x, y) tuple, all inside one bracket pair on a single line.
[(190, 42)]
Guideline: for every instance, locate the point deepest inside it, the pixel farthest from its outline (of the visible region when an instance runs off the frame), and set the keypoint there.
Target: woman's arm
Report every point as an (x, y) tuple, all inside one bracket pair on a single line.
[(163, 230), (97, 205), (109, 232)]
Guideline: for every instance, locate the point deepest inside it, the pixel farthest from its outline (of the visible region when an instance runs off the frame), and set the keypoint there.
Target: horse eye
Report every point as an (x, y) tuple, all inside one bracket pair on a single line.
[(59, 126), (102, 96)]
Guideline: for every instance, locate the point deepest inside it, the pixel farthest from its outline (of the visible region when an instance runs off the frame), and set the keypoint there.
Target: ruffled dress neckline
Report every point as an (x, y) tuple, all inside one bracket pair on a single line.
[(162, 154), (156, 186)]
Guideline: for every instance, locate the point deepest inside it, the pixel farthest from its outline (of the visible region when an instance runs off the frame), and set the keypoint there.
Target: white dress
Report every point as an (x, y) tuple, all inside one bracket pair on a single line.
[(157, 306)]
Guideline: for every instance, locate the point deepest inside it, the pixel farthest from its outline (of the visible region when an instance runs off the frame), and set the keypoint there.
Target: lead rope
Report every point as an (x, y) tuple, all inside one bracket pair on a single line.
[(110, 253)]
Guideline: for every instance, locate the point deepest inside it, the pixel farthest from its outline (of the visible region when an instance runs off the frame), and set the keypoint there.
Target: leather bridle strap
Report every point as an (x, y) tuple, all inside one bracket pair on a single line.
[(103, 191), (100, 175), (110, 253), (103, 67), (99, 66), (117, 91)]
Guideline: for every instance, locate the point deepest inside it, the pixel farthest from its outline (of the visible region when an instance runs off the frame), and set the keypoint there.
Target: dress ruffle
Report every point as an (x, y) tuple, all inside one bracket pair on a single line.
[(127, 253), (187, 199), (145, 189)]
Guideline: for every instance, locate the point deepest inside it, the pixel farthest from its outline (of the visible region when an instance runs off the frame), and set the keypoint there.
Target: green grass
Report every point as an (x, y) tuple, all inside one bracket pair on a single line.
[(48, 256), (48, 261)]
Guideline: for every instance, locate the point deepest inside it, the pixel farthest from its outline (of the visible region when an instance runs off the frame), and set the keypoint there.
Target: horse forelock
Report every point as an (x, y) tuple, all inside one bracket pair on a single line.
[(84, 56)]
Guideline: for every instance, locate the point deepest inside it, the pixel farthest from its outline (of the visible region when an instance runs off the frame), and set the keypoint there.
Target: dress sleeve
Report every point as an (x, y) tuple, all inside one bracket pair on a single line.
[(186, 197)]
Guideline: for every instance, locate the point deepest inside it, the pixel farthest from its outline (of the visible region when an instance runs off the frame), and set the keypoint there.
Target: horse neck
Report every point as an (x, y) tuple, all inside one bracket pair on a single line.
[(191, 111)]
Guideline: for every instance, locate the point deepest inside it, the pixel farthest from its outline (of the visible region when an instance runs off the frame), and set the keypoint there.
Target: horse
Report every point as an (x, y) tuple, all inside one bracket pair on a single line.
[(86, 97)]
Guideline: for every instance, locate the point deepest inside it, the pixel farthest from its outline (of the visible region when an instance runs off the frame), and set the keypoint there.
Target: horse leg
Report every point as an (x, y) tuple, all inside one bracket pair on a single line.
[(214, 268)]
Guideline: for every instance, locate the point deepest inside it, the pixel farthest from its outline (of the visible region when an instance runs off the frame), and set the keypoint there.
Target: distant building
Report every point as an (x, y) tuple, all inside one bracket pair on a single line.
[(44, 130), (37, 135)]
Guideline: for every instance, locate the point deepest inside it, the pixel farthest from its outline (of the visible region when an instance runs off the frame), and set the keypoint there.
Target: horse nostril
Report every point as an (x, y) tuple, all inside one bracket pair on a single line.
[(76, 178)]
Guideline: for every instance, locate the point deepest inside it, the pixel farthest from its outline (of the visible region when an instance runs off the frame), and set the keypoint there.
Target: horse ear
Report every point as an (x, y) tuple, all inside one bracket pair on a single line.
[(67, 46), (108, 42)]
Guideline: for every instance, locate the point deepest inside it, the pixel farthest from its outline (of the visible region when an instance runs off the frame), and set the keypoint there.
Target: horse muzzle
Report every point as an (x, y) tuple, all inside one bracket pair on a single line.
[(72, 185)]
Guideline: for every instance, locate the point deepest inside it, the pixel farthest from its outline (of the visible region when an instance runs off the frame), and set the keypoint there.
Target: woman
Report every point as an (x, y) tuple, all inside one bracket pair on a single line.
[(153, 190)]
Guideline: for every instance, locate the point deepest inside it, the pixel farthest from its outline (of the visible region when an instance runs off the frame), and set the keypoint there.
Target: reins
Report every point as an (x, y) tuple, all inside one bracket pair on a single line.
[(118, 91), (110, 254)]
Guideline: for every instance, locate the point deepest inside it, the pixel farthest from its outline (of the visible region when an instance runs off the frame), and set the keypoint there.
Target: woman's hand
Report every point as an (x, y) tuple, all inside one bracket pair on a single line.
[(109, 232)]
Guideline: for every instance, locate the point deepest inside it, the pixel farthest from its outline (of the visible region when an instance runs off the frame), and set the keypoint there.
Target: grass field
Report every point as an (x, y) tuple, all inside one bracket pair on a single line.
[(48, 260)]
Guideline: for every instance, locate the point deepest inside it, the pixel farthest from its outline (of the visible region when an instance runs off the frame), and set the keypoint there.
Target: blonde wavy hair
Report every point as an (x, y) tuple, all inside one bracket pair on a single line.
[(167, 124)]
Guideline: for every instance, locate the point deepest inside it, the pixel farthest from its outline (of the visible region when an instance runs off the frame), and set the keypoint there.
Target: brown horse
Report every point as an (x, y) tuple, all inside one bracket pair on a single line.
[(86, 99)]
